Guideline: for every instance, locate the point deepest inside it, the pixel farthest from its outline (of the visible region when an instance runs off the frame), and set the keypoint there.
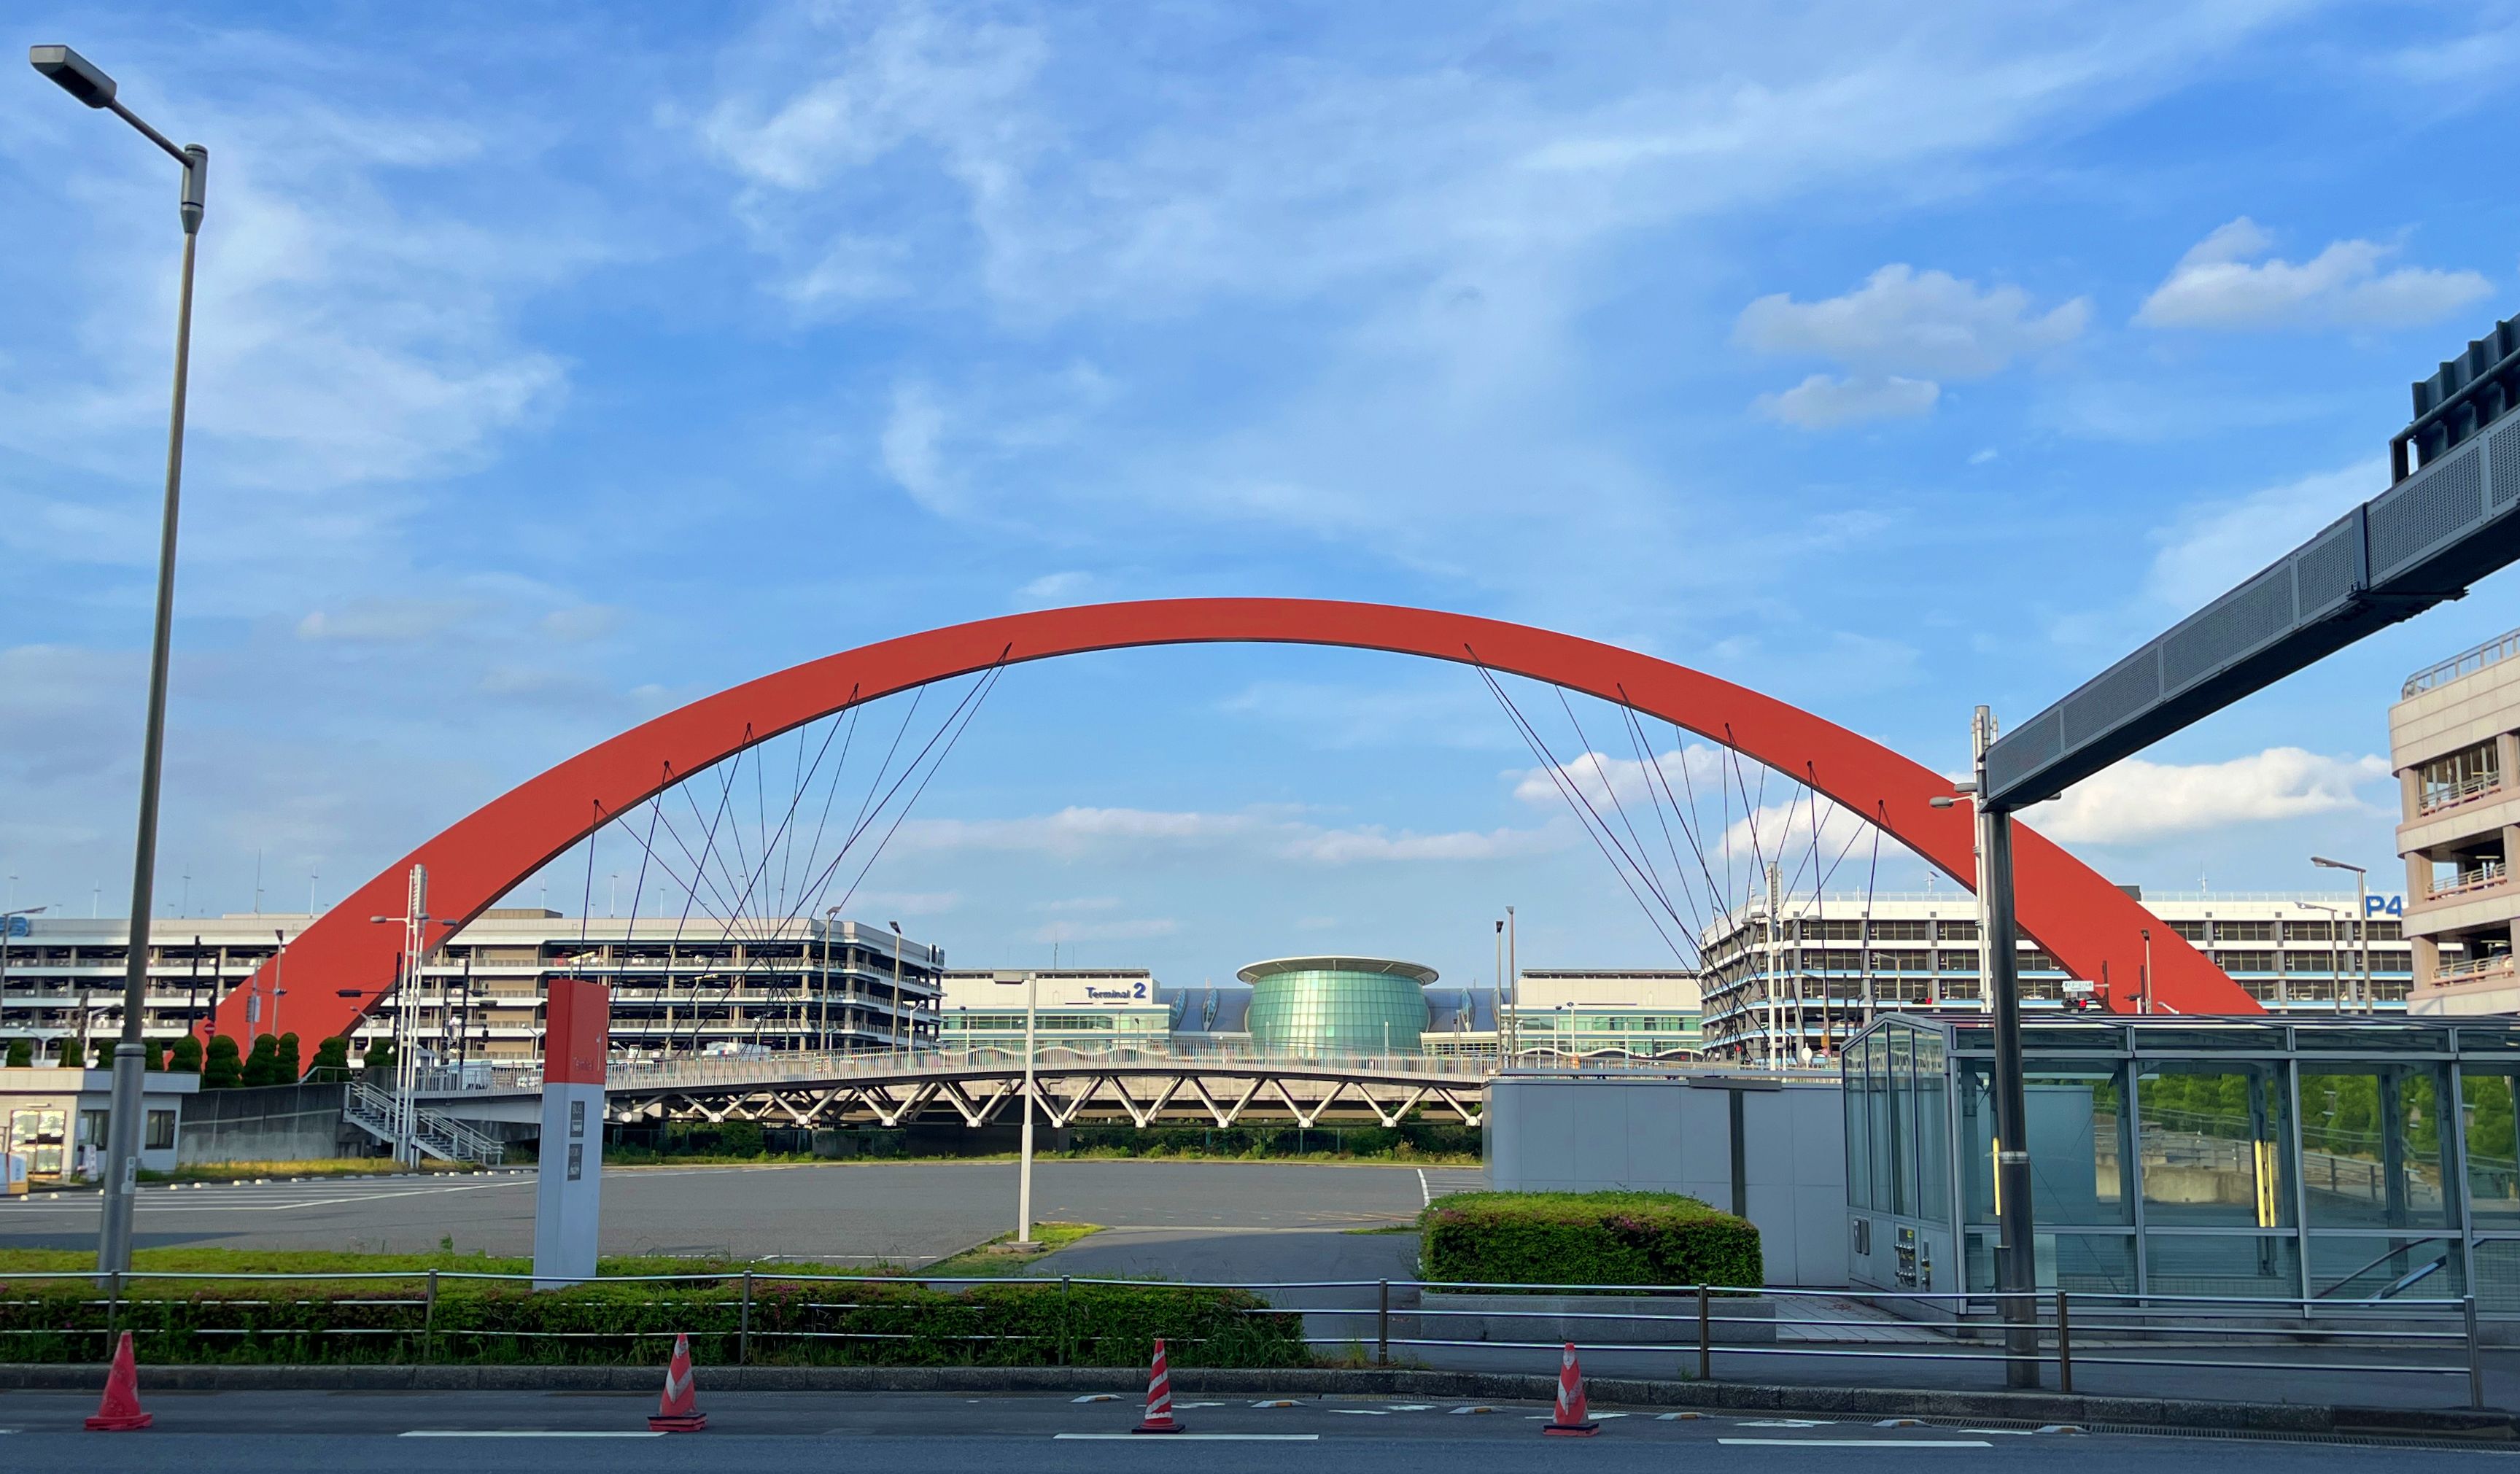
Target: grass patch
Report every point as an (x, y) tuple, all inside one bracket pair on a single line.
[(1001, 1255), (1384, 1229)]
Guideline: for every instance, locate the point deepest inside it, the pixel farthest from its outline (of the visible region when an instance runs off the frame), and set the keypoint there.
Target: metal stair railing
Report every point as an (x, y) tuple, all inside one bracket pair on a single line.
[(440, 1136)]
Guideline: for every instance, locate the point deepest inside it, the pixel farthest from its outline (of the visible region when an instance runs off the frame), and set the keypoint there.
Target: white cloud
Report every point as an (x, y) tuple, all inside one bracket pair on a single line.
[(1267, 832), (1905, 321), (581, 622), (2139, 800), (1599, 777), (904, 903), (1106, 932), (386, 621), (910, 449), (1825, 401), (2215, 546), (2220, 283), (1054, 589)]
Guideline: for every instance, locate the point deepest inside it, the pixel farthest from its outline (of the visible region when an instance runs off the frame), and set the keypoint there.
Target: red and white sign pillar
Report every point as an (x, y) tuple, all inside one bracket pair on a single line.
[(578, 1028)]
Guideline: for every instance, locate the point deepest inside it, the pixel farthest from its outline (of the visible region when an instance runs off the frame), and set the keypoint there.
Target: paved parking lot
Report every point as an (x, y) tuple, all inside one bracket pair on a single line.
[(853, 1213)]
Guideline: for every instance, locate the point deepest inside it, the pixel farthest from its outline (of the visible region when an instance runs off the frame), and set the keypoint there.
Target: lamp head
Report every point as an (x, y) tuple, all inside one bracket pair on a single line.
[(73, 73)]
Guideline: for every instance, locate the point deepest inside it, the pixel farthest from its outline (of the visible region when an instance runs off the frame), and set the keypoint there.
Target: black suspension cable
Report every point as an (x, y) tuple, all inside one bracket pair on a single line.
[(1642, 856)]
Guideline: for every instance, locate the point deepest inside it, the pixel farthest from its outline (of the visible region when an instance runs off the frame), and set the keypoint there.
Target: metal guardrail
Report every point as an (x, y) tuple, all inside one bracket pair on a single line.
[(2465, 663), (2069, 1329)]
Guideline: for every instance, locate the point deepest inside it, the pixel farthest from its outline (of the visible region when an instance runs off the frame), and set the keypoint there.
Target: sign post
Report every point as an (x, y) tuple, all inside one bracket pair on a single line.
[(568, 1193)]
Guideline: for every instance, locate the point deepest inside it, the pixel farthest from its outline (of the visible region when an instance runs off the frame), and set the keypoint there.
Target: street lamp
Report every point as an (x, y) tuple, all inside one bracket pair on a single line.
[(76, 75), (2362, 923)]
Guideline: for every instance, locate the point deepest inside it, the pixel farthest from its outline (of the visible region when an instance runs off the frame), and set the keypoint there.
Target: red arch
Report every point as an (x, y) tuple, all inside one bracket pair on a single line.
[(2091, 926)]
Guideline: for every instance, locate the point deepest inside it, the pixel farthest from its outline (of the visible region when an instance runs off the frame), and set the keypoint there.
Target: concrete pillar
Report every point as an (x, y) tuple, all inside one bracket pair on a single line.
[(569, 1181)]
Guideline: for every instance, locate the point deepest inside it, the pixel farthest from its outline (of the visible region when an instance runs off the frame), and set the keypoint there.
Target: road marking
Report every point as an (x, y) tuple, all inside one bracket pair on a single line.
[(1860, 1443), (529, 1433), (1791, 1422), (1474, 1407), (1678, 1417), (1426, 1193), (1221, 1438), (1413, 1406), (1276, 1402), (1362, 1412), (1097, 1397)]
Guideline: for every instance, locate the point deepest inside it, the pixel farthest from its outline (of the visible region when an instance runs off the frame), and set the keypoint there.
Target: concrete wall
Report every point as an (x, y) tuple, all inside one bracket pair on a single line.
[(1788, 1175), (270, 1123)]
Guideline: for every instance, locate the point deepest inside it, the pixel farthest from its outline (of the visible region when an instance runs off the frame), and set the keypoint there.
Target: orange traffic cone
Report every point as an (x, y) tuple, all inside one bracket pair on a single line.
[(1160, 1397), (120, 1412), (1571, 1421), (678, 1409)]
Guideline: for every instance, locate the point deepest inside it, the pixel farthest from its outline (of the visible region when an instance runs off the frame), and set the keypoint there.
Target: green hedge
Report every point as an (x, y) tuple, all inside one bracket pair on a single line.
[(792, 1324), (1585, 1238)]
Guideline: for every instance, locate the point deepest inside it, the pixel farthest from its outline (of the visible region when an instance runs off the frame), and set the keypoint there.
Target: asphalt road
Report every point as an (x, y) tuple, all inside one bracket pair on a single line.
[(856, 1212), (769, 1433)]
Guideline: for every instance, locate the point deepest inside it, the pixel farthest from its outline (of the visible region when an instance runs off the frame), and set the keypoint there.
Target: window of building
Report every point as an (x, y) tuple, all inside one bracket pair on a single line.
[(2383, 931), (161, 1132), (2458, 778), (1957, 962), (1958, 931), (1834, 930), (2309, 931), (2244, 931), (2310, 962), (2193, 931), (1903, 931), (2245, 962)]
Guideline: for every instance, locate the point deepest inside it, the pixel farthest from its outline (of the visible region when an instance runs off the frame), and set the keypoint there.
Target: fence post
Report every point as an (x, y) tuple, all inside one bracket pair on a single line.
[(2475, 1354), (1382, 1328), (428, 1319), (2064, 1347), (1066, 1325), (1705, 1339), (744, 1325)]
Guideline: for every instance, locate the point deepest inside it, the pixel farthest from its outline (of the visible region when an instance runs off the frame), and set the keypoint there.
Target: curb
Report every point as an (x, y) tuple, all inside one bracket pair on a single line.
[(1744, 1396)]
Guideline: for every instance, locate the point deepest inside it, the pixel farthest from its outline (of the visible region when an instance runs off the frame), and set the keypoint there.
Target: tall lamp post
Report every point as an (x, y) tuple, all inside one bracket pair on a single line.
[(2361, 924), (80, 78)]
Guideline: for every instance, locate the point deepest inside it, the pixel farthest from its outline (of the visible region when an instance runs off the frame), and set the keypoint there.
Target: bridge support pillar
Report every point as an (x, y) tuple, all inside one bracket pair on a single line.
[(568, 1192)]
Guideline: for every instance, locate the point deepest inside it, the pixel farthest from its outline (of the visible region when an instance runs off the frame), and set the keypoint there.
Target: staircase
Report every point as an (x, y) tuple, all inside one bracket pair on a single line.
[(439, 1136)]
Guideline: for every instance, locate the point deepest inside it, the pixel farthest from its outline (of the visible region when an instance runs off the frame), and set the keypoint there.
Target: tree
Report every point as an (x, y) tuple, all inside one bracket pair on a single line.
[(185, 1055), (291, 1071), (220, 1071), (331, 1060), (22, 1053), (73, 1054), (380, 1057), (152, 1054), (262, 1063)]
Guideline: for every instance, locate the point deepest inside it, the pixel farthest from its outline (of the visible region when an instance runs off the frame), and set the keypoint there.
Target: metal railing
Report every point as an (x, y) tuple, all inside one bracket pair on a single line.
[(1694, 1326), (2466, 662), (2485, 876), (2436, 798), (373, 1112)]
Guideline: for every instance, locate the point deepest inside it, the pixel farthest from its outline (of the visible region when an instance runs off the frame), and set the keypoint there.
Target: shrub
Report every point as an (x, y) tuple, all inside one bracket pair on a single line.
[(221, 1070), (858, 1323), (262, 1063), (22, 1053), (73, 1054), (186, 1055), (290, 1071), (380, 1058), (1585, 1238), (331, 1060), (152, 1054)]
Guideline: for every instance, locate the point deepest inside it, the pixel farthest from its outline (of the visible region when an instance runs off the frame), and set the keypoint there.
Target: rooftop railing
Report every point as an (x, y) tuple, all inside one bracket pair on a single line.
[(2466, 662)]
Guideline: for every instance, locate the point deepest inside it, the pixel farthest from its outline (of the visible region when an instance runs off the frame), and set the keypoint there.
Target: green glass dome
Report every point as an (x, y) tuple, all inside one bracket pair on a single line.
[(1337, 1004)]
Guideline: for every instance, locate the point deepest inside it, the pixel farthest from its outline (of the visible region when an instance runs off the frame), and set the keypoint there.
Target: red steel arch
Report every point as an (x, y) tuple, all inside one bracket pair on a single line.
[(2093, 928)]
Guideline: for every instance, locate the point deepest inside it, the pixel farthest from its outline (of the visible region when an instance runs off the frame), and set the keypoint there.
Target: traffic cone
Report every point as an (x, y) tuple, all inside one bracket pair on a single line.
[(1160, 1397), (120, 1412), (678, 1409), (1571, 1421)]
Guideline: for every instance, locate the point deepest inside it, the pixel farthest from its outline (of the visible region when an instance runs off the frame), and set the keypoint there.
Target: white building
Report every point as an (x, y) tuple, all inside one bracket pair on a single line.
[(1073, 1008), (1798, 985), (762, 984)]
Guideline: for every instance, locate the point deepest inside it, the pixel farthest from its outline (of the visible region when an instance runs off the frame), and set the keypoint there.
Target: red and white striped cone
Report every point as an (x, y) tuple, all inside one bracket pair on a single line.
[(1571, 1421), (678, 1409), (1160, 1397)]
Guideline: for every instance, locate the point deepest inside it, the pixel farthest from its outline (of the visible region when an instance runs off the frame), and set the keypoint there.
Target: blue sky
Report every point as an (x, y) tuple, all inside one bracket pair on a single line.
[(552, 372)]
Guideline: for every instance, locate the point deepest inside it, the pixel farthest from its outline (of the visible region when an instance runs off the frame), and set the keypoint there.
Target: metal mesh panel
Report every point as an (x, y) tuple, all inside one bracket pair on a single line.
[(2440, 502), (2034, 744), (2504, 445), (2113, 696), (2227, 629), (2329, 571)]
